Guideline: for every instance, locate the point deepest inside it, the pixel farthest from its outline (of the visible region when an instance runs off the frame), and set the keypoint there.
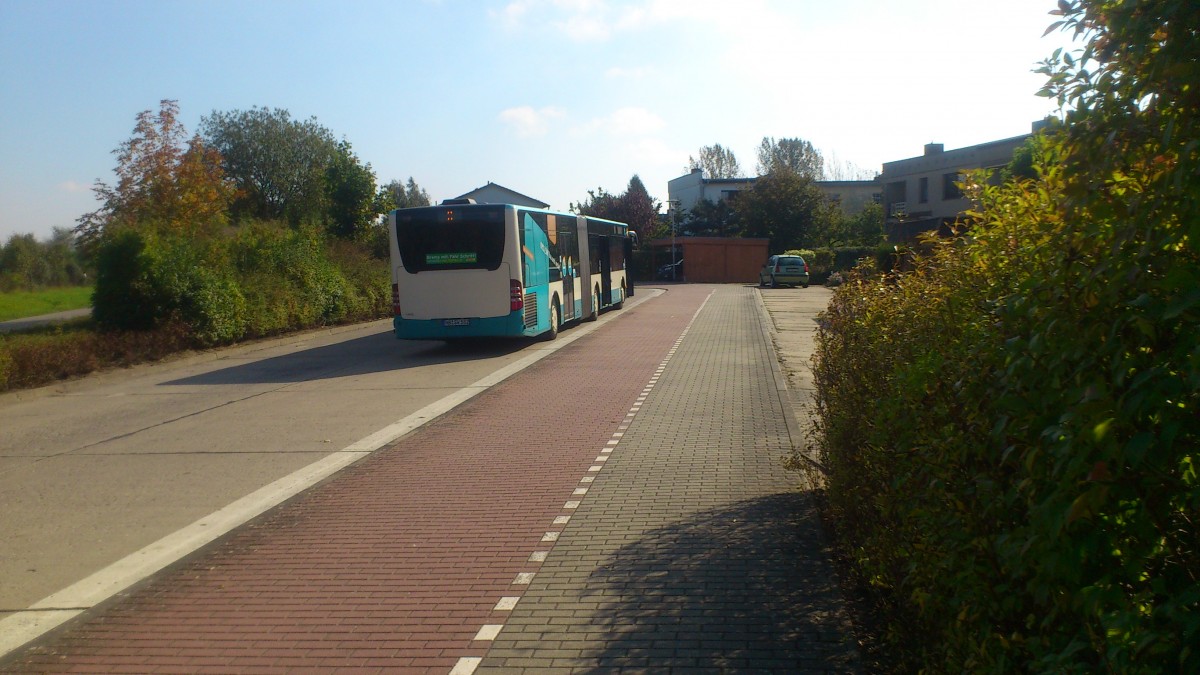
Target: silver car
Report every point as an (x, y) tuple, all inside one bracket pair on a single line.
[(784, 270)]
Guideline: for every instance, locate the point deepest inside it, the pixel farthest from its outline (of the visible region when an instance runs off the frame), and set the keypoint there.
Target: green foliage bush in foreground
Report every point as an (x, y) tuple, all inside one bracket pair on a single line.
[(262, 280), (157, 294), (1012, 428)]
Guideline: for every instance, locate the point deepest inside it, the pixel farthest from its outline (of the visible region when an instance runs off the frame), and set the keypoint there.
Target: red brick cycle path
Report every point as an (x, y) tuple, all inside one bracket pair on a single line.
[(395, 564)]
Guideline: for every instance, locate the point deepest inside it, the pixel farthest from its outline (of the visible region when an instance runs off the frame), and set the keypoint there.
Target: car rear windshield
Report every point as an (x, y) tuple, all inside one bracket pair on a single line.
[(791, 260), (454, 238)]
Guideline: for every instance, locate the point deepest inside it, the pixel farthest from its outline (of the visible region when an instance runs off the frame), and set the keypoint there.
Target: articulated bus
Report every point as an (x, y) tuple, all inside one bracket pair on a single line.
[(463, 269)]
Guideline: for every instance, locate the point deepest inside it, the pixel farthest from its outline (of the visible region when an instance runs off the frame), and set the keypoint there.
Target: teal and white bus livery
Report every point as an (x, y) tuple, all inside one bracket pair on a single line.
[(463, 269)]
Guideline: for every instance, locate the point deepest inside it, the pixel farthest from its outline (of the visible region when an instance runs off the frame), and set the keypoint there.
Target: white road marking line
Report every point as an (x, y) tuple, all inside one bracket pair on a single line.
[(489, 631), (466, 665)]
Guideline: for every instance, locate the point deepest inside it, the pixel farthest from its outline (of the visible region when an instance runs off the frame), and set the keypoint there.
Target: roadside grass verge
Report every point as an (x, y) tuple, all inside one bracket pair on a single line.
[(23, 304)]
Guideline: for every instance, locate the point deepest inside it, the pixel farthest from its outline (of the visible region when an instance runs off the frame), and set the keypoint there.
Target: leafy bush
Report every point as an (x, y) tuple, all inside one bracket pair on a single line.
[(1011, 425), (292, 280), (146, 281), (823, 262), (820, 264), (121, 299), (266, 279)]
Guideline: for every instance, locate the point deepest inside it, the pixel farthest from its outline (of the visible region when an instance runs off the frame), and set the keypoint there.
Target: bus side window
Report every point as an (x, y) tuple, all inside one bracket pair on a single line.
[(594, 243), (616, 251)]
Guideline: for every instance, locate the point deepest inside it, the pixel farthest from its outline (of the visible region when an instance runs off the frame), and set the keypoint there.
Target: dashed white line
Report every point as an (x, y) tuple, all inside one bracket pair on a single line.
[(489, 631), (467, 665)]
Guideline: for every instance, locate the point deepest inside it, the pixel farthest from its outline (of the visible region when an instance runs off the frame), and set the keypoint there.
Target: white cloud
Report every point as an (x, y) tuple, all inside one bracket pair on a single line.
[(654, 151), (514, 12), (585, 28), (624, 122), (598, 20), (633, 121), (74, 186), (526, 121)]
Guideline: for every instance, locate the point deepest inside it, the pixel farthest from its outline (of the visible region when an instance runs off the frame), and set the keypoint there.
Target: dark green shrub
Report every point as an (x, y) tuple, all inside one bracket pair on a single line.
[(146, 282), (846, 258), (820, 264), (122, 298)]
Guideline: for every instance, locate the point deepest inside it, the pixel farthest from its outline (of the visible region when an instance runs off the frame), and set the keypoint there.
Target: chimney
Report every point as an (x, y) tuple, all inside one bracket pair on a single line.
[(933, 148)]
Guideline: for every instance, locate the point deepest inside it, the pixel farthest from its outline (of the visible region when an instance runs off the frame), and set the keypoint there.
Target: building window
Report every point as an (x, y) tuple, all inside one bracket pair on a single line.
[(950, 189), (924, 190)]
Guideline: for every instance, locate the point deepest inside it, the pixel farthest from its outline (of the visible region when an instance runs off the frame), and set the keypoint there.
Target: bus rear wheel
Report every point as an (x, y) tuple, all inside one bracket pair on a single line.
[(595, 305), (554, 319), (620, 303)]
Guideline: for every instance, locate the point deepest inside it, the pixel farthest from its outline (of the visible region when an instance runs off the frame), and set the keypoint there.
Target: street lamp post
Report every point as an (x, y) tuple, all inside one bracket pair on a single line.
[(672, 204)]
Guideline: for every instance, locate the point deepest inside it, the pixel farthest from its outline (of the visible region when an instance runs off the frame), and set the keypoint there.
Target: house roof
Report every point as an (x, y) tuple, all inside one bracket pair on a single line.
[(493, 187)]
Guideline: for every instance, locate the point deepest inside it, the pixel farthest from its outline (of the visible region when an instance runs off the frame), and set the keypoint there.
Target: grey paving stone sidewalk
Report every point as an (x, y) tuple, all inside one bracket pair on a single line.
[(693, 550)]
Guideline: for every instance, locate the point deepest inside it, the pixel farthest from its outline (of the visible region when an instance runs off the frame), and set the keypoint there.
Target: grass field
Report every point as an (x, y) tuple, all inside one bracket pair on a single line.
[(21, 304)]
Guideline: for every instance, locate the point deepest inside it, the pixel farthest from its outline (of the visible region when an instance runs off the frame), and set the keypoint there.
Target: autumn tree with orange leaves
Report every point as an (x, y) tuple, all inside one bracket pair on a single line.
[(164, 183)]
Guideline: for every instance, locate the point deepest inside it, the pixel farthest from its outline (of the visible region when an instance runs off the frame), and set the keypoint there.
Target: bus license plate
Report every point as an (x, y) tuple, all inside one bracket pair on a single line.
[(456, 322)]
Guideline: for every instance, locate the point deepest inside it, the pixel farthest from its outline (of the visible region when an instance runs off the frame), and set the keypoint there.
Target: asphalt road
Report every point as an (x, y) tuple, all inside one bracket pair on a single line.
[(43, 320), (106, 479)]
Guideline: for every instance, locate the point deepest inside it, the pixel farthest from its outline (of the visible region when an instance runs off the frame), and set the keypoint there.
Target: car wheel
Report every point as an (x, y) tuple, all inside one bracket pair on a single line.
[(761, 282), (774, 282), (804, 285)]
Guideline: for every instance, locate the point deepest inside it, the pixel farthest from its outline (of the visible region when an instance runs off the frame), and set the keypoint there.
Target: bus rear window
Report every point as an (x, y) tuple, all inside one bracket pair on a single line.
[(450, 238)]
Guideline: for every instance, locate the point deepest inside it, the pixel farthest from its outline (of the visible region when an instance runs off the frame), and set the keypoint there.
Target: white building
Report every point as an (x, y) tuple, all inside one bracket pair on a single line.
[(498, 194), (690, 189)]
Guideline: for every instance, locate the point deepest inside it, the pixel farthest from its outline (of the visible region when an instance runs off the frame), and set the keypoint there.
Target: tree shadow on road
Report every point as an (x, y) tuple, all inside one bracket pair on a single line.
[(744, 588), (370, 354)]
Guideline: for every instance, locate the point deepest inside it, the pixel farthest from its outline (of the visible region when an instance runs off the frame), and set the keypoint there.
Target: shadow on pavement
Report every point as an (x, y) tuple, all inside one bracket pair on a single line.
[(747, 587), (367, 355)]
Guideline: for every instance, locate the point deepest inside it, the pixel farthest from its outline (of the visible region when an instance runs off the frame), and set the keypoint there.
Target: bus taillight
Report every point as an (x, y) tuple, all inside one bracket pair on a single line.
[(516, 296), (396, 299)]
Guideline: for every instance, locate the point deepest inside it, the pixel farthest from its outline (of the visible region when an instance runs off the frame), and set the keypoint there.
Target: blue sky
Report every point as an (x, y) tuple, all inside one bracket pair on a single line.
[(548, 97)]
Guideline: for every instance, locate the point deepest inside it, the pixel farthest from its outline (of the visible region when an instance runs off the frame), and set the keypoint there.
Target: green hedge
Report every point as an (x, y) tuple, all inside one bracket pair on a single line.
[(263, 279), (822, 262), (1012, 431)]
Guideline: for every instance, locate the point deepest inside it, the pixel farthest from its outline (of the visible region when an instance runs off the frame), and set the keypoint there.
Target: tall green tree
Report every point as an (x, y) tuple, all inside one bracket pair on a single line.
[(633, 207), (350, 189), (22, 265), (600, 203), (792, 154), (279, 164), (637, 208), (785, 207), (398, 195), (712, 219), (163, 184), (716, 162), (864, 228)]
